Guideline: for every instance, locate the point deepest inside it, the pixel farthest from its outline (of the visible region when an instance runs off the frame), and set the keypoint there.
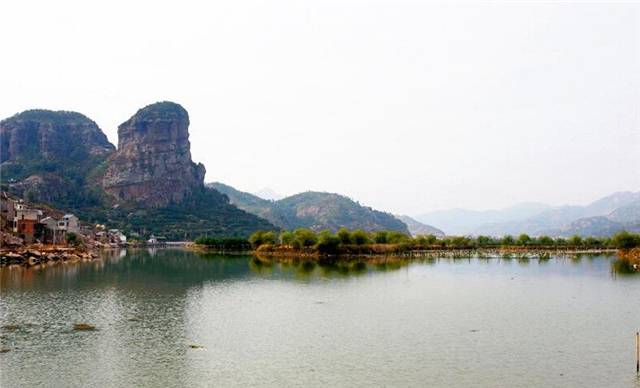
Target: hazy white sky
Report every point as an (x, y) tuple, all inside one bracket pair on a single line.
[(404, 106)]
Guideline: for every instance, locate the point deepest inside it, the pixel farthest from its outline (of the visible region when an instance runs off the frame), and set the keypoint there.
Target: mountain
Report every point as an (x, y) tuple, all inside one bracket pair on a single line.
[(464, 221), (592, 219), (269, 194), (148, 185), (603, 217), (598, 226), (313, 210), (253, 204), (152, 165), (418, 228), (626, 214), (49, 156)]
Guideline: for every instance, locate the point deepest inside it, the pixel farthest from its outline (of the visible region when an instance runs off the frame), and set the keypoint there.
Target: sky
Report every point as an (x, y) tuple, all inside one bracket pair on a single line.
[(405, 106)]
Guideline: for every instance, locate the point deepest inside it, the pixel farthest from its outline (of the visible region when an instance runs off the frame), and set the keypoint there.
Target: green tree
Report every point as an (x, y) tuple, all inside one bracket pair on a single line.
[(507, 240), (287, 238), (575, 241), (360, 237), (560, 241), (484, 241), (545, 241), (625, 240), (72, 239), (262, 237), (430, 239), (306, 237), (380, 237), (524, 239), (395, 237), (344, 236), (592, 242), (327, 242)]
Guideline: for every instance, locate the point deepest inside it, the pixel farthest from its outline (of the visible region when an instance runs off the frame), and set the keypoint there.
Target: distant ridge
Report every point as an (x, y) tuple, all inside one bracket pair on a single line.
[(417, 228), (268, 194), (313, 210), (603, 217)]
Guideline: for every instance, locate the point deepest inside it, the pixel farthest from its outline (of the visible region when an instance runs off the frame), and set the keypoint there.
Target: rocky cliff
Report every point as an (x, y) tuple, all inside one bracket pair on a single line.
[(48, 155), (149, 185), (50, 136), (152, 165)]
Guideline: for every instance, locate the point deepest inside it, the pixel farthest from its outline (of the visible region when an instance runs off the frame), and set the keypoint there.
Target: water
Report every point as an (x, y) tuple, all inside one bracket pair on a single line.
[(442, 323)]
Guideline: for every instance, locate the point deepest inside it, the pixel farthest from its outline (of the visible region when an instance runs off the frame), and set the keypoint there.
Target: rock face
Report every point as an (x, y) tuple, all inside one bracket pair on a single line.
[(47, 156), (149, 185), (152, 165), (51, 135)]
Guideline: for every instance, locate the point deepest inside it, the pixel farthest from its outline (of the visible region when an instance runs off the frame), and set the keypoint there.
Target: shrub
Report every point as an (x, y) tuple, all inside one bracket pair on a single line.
[(360, 237), (344, 236), (231, 243), (306, 237), (327, 242), (524, 239), (262, 237), (380, 237), (625, 240), (72, 239)]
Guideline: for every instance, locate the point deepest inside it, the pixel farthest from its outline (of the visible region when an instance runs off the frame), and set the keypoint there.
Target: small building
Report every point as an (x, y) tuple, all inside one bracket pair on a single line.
[(69, 223), (7, 211), (51, 233), (54, 231), (25, 220), (116, 236)]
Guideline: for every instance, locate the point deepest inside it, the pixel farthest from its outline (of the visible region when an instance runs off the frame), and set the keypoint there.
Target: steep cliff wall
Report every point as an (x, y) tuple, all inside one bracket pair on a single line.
[(152, 165)]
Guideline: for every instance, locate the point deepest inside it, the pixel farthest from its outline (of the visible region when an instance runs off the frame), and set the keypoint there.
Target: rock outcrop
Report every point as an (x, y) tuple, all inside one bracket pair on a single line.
[(152, 165), (51, 135), (47, 156), (149, 185)]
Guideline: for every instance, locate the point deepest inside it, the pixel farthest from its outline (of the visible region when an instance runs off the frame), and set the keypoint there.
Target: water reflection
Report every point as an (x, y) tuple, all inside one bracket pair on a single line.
[(175, 269), (295, 321), (624, 267)]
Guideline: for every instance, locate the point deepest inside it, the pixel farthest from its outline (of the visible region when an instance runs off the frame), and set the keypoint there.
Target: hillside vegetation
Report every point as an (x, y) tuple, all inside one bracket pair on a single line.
[(314, 210)]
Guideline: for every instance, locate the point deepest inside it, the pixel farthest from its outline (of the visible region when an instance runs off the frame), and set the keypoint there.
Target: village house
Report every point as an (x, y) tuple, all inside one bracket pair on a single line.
[(69, 223), (7, 211), (116, 236), (56, 230), (25, 220)]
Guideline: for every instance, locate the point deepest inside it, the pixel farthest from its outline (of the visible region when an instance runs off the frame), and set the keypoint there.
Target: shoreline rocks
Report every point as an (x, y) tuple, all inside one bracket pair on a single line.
[(30, 257)]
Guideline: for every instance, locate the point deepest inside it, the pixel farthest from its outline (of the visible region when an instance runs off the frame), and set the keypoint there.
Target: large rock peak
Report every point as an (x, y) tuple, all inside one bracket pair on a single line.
[(162, 123), (51, 135), (153, 164)]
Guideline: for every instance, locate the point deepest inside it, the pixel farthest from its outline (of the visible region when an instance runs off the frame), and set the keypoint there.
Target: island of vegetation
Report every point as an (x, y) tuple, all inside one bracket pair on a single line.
[(344, 243)]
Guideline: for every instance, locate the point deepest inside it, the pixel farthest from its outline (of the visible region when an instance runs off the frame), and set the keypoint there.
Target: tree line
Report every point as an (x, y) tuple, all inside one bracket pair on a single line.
[(346, 240)]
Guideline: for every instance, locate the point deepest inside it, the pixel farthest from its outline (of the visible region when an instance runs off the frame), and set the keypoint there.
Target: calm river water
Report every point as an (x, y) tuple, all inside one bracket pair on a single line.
[(171, 318)]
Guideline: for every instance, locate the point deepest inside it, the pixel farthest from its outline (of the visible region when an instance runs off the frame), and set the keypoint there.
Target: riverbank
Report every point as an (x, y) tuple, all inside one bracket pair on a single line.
[(389, 250), (632, 256), (400, 250), (42, 254)]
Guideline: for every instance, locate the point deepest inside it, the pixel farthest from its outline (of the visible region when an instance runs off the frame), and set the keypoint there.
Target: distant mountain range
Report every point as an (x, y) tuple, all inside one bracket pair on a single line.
[(267, 193), (464, 221), (313, 210), (604, 217), (417, 228)]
